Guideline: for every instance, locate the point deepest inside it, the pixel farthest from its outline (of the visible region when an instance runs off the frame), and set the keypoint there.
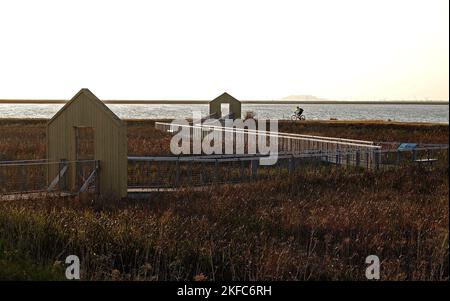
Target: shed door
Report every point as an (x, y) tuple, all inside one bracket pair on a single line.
[(225, 109), (84, 154)]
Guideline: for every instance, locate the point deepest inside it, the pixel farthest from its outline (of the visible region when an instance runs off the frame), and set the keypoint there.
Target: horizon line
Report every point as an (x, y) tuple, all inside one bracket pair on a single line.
[(248, 101)]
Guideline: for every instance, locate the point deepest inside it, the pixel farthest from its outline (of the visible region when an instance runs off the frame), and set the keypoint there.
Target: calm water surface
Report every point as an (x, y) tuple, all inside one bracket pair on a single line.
[(423, 113)]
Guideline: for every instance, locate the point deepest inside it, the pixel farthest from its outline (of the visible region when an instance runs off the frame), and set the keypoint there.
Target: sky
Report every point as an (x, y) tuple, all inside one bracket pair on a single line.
[(197, 49)]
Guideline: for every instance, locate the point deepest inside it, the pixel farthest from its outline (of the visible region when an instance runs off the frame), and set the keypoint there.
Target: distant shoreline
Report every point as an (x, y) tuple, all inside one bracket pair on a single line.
[(271, 102), (12, 120)]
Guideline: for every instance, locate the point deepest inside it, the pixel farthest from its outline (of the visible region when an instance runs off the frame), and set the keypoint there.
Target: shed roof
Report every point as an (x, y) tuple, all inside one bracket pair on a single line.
[(224, 97), (86, 92)]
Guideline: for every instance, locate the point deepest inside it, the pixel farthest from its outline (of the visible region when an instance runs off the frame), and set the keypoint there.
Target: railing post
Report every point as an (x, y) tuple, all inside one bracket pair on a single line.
[(216, 171), (399, 157), (291, 164), (149, 168), (376, 155), (367, 159), (337, 154), (358, 158), (191, 164), (158, 172), (23, 176), (254, 166), (149, 173), (177, 174)]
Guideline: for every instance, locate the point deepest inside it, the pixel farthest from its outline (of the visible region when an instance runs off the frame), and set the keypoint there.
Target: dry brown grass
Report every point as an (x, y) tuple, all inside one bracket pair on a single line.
[(318, 224), (379, 131), (315, 225)]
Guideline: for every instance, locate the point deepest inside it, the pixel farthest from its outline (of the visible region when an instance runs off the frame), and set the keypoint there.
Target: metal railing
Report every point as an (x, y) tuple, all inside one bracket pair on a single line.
[(286, 142), (198, 170), (73, 177), (172, 172), (42, 176)]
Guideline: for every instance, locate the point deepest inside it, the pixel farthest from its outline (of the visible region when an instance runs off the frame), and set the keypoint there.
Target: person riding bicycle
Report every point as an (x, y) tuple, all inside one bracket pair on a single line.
[(299, 111)]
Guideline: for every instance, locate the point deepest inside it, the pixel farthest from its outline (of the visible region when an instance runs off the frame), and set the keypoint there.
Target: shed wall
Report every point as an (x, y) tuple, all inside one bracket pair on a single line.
[(216, 110), (110, 142)]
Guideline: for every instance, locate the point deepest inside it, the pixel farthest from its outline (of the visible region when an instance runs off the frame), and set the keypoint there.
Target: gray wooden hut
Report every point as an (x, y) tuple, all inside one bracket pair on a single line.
[(215, 106)]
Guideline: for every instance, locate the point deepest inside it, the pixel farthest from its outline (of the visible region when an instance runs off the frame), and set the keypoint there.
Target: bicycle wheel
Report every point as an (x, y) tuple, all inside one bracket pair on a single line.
[(302, 117), (294, 117)]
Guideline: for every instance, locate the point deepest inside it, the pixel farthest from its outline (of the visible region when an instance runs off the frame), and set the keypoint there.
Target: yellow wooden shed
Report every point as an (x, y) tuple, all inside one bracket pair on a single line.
[(86, 129)]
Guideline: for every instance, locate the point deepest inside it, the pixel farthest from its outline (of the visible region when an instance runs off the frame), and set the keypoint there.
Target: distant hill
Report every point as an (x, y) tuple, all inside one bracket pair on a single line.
[(303, 98), (317, 100)]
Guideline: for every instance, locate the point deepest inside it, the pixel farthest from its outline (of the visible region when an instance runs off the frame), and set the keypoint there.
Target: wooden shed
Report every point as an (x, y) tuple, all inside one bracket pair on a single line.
[(215, 106), (86, 129)]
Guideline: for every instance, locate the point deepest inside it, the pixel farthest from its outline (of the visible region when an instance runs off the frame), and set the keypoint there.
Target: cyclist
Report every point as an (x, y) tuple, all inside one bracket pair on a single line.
[(299, 111)]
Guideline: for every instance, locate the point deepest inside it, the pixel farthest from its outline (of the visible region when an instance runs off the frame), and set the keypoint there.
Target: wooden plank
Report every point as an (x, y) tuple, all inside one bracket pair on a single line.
[(57, 178), (85, 186)]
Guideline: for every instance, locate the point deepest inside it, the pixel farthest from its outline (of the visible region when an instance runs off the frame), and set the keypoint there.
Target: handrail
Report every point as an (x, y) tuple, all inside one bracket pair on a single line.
[(248, 157), (340, 141), (43, 162)]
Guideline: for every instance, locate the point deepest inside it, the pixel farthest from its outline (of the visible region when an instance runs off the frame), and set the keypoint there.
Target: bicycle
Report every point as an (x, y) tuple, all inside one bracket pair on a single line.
[(298, 117)]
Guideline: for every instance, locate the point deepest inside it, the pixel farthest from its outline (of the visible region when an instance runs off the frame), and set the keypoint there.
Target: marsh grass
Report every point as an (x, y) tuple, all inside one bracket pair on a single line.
[(314, 225)]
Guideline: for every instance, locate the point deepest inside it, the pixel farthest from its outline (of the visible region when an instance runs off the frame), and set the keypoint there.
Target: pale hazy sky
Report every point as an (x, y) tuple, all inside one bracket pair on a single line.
[(197, 49)]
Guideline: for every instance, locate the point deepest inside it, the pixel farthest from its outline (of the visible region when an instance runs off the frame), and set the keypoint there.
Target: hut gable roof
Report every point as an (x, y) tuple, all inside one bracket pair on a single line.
[(224, 98), (89, 95)]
